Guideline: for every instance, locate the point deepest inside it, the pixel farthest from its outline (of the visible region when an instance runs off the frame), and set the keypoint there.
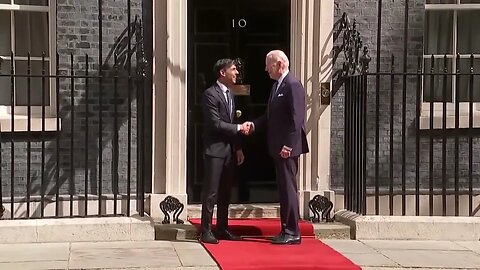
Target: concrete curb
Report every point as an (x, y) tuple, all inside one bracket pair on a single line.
[(133, 228), (410, 227)]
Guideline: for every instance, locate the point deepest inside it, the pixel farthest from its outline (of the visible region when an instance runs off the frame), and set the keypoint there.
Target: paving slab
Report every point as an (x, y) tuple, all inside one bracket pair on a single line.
[(195, 257), (413, 245), (34, 252), (38, 265), (349, 246), (187, 244), (374, 259), (434, 258), (85, 258)]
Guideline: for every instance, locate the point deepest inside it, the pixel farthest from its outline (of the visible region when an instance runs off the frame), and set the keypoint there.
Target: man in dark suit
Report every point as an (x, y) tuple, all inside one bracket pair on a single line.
[(284, 120), (221, 151)]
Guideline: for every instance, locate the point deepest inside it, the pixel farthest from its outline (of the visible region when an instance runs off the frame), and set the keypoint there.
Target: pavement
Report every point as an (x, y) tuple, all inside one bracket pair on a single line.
[(189, 254)]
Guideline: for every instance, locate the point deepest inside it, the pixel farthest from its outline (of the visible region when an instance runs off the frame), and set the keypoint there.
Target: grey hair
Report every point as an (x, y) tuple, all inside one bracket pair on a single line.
[(279, 55)]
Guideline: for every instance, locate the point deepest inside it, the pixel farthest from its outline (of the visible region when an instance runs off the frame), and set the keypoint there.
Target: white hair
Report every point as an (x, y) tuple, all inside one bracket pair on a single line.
[(279, 55)]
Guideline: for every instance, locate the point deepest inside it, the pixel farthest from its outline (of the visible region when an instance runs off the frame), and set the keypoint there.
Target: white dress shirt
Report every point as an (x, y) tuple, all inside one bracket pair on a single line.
[(224, 89)]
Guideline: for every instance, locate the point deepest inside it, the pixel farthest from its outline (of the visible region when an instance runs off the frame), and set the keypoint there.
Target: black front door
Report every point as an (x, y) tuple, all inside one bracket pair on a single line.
[(246, 29)]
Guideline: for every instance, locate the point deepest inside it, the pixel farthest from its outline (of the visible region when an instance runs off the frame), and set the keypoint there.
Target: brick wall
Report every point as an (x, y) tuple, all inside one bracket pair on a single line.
[(392, 44), (78, 35)]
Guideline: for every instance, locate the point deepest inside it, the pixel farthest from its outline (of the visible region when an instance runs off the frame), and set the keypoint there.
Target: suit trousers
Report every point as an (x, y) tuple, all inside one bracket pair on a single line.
[(286, 171), (219, 174)]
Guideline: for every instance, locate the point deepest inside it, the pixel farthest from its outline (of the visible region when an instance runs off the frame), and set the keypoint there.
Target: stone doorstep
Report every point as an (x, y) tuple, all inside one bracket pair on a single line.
[(134, 228), (410, 227), (262, 210), (188, 231)]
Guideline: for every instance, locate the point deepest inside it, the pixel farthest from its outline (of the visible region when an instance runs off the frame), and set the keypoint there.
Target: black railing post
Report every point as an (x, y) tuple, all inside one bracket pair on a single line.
[(29, 129), (377, 102), (42, 184), (12, 139), (470, 139), (430, 160), (364, 144), (141, 133), (115, 136), (457, 126), (57, 140), (417, 136), (444, 137), (72, 132), (87, 135), (404, 106), (392, 132), (100, 108)]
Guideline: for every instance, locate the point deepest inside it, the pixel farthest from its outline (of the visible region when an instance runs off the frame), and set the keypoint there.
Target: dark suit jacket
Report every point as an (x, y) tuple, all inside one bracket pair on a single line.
[(220, 136), (285, 118)]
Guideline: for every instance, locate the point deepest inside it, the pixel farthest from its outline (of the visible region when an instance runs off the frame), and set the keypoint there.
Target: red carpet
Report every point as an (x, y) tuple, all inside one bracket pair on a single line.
[(259, 253), (263, 227)]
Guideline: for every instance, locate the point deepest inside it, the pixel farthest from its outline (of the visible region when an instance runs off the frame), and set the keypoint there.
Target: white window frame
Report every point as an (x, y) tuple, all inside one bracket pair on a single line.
[(21, 112), (438, 106)]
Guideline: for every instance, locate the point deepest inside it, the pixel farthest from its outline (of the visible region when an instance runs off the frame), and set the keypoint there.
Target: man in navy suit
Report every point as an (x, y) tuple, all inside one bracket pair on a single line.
[(221, 151), (284, 120)]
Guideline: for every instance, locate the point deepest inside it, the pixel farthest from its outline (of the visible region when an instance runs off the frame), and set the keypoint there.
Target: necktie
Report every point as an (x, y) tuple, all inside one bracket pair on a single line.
[(274, 90), (229, 103)]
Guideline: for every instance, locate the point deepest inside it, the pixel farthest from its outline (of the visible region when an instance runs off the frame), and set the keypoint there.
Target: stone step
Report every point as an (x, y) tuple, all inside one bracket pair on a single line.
[(185, 231), (264, 210), (333, 230)]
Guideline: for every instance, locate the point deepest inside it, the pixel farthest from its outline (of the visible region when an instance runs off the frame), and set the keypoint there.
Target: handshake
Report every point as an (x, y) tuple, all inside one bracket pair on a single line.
[(247, 128)]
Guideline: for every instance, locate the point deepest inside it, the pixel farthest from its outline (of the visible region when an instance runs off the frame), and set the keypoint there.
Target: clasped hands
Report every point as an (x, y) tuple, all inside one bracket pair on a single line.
[(246, 128)]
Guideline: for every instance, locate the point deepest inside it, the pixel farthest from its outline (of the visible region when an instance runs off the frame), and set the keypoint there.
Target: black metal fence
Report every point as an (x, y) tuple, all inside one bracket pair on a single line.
[(411, 138), (78, 150)]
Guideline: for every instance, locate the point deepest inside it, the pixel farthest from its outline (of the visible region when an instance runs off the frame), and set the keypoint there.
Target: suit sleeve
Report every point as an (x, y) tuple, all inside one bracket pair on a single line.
[(260, 123), (296, 97), (212, 116)]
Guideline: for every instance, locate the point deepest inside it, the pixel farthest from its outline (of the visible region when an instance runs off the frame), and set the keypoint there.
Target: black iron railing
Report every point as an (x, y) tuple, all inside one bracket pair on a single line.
[(81, 153), (410, 139)]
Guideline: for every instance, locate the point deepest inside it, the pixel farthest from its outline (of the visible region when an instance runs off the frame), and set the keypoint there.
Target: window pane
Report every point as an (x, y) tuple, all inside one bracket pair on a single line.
[(441, 1), (21, 84), (5, 83), (4, 1), (32, 2), (464, 84), (438, 32), (31, 33), (5, 33), (468, 36), (439, 81), (470, 1)]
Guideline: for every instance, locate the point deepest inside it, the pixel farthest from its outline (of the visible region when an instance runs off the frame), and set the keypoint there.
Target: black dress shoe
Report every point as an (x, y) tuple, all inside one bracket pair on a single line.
[(208, 237), (278, 236), (227, 235), (287, 239)]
